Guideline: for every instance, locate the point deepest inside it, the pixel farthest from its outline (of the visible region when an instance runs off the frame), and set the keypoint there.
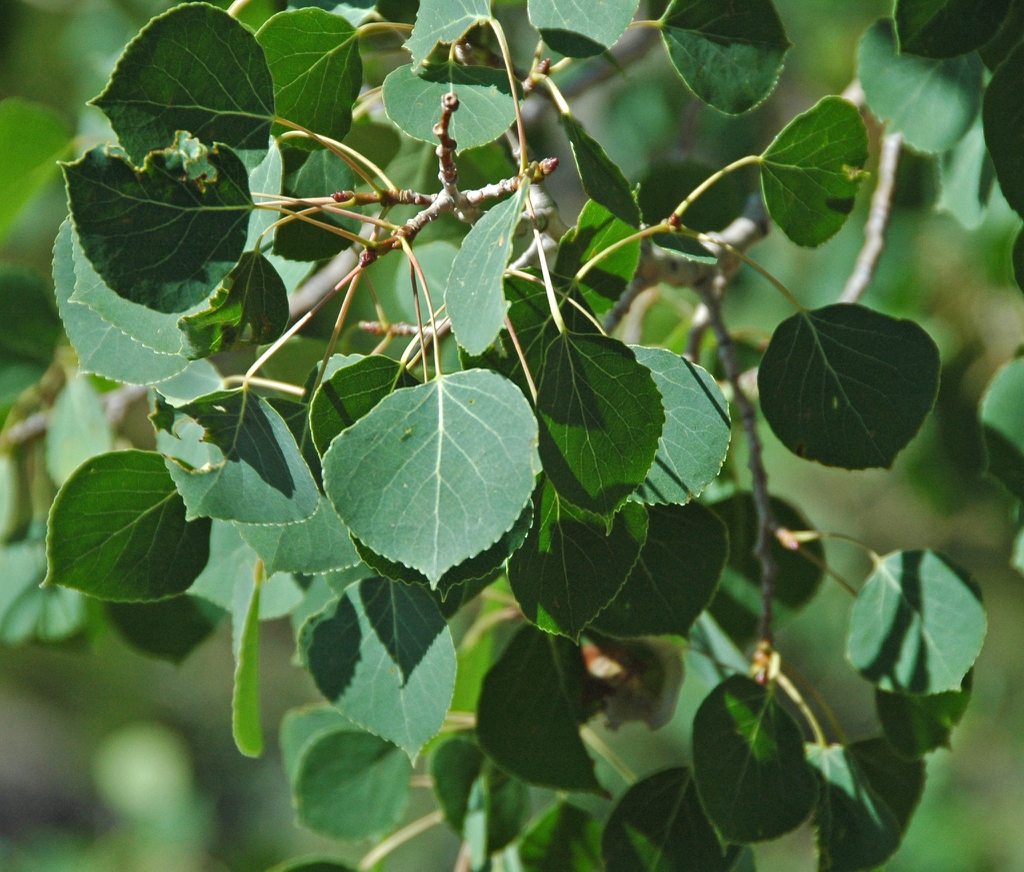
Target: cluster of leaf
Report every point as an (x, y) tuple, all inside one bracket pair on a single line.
[(373, 508)]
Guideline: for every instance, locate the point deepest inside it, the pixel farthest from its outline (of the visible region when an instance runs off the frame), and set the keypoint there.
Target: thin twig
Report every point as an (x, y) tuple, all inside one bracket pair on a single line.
[(399, 838)]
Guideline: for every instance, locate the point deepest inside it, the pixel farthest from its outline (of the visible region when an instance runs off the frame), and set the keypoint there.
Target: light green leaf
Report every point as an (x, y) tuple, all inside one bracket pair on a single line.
[(966, 178), (117, 531), (695, 438), (249, 308), (564, 839), (169, 629), (267, 178), (946, 28), (731, 56), (933, 103), (1002, 421), (245, 700), (601, 420), (581, 31), (317, 72), (917, 625), (673, 579), (450, 463), (473, 295), (848, 386), (28, 611), (658, 825), (32, 139), (748, 762), (412, 99), (529, 712), (572, 565), (444, 21), (78, 429), (156, 236), (602, 179), (193, 68), (811, 172), (383, 655), (917, 725), (897, 781), (855, 830), (261, 477), (1004, 103)]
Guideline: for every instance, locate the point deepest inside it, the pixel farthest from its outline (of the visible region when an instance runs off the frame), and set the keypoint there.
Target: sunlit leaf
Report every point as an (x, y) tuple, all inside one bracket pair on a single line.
[(444, 21), (579, 36)]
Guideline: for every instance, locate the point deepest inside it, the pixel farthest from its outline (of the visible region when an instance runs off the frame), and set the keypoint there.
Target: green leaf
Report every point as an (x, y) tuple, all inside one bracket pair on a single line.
[(573, 563), (482, 804), (946, 28), (78, 429), (384, 656), (473, 296), (675, 576), (578, 35), (659, 824), (29, 329), (28, 611), (994, 52), (596, 230), (450, 463), (695, 438), (346, 783), (564, 839), (311, 864), (1018, 259), (267, 178), (32, 139), (444, 21), (117, 531), (737, 603), (412, 99), (249, 308), (898, 782), (314, 61), (855, 830), (933, 103), (193, 68), (848, 386), (811, 172), (917, 725), (601, 419), (245, 700), (729, 57), (966, 178), (748, 762), (259, 476), (917, 625), (169, 629), (1002, 420), (602, 179), (156, 236), (529, 712)]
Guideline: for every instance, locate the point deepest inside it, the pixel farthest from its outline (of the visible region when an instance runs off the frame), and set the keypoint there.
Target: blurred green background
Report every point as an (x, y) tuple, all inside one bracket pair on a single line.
[(110, 761)]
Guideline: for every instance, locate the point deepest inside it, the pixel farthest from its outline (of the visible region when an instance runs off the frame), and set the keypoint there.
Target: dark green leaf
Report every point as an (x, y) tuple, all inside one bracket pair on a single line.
[(855, 829), (674, 577), (193, 68), (117, 531), (473, 296), (412, 100), (314, 864), (578, 35), (994, 52), (29, 328), (917, 625), (731, 56), (916, 725), (249, 308), (161, 236), (898, 782), (1018, 259), (1002, 421), (572, 564), (529, 712), (811, 172), (444, 21), (596, 230), (564, 839), (32, 139), (601, 419), (748, 761), (602, 179), (169, 629), (659, 825), (314, 61), (245, 701), (737, 603), (931, 102), (450, 463), (259, 476), (946, 28), (848, 386)]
